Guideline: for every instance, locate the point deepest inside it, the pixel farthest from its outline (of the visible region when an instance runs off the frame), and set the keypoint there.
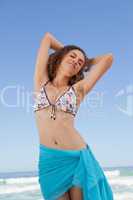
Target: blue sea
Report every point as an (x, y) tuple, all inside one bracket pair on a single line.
[(24, 185)]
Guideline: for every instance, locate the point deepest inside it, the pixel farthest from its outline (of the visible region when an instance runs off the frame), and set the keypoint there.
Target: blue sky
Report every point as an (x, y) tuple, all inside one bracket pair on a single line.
[(105, 117)]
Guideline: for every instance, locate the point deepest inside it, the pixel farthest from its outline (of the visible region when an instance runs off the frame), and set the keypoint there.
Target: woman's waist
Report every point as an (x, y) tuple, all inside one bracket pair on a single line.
[(63, 139)]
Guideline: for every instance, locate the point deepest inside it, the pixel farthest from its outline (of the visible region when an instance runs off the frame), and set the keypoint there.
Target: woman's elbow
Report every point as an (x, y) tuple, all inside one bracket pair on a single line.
[(109, 59)]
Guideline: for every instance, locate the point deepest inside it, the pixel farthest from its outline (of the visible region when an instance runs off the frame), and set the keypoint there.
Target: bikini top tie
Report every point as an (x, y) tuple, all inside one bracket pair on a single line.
[(66, 102)]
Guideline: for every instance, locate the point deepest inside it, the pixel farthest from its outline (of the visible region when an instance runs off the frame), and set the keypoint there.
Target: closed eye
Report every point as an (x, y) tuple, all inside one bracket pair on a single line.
[(80, 63), (74, 55)]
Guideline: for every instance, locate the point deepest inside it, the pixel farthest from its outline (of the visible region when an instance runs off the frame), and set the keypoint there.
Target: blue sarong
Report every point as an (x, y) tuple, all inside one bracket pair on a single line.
[(61, 169)]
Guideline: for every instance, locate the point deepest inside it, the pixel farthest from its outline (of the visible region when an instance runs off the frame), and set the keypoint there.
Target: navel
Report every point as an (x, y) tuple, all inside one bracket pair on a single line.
[(55, 142)]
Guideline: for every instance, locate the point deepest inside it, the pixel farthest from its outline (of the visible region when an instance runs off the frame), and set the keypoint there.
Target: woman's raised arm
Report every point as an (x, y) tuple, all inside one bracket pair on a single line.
[(101, 65), (41, 74)]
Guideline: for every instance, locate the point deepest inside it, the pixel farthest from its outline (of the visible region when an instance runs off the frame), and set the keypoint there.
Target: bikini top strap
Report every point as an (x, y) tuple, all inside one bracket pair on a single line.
[(46, 82)]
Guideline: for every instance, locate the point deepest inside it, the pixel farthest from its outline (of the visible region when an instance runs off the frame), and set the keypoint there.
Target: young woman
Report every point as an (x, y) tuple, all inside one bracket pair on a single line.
[(67, 167)]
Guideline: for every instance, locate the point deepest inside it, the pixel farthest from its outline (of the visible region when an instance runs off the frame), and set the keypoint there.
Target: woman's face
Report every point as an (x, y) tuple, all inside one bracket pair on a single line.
[(73, 62)]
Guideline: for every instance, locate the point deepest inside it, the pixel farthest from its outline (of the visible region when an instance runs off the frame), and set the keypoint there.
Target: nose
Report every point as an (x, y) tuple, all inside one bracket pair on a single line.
[(74, 61)]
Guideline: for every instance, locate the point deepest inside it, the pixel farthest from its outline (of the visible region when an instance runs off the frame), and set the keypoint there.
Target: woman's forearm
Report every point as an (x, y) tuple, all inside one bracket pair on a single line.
[(97, 59), (54, 43)]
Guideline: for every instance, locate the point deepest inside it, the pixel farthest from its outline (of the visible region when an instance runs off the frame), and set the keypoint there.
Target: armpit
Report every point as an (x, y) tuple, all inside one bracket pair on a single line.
[(80, 94)]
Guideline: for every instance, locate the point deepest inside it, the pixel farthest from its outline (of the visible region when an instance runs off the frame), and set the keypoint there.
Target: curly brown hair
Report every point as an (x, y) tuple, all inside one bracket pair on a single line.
[(56, 58)]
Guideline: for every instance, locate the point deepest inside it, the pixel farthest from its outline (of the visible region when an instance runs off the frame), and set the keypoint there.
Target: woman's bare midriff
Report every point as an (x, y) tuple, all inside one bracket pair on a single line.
[(59, 133)]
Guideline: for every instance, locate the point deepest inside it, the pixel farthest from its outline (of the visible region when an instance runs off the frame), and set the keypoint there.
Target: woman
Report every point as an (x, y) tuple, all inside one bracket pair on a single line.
[(67, 167)]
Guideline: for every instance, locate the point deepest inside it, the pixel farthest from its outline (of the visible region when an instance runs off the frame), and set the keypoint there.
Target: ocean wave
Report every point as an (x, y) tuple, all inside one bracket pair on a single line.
[(15, 189), (18, 180), (124, 196), (112, 174), (127, 181)]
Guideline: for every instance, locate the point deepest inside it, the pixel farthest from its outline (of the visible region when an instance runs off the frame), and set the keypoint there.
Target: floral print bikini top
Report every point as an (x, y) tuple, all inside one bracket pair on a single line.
[(66, 102)]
